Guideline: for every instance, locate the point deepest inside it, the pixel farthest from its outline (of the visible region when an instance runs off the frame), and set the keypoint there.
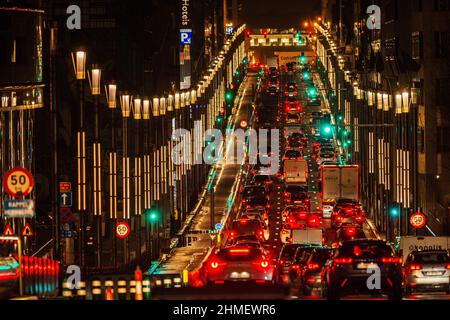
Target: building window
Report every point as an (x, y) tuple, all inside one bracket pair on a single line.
[(442, 90), (417, 45), (441, 5), (441, 44)]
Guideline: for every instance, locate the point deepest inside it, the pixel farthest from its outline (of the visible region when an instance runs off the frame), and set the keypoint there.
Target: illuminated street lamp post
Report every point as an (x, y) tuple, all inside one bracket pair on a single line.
[(137, 178), (125, 104), (95, 83), (111, 97), (79, 65), (146, 111)]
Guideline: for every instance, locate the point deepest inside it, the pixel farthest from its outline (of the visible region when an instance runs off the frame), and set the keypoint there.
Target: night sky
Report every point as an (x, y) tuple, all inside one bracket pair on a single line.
[(278, 13)]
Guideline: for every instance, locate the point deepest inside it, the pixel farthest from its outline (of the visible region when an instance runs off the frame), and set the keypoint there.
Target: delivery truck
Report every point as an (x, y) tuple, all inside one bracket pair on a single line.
[(312, 236), (407, 244), (296, 171)]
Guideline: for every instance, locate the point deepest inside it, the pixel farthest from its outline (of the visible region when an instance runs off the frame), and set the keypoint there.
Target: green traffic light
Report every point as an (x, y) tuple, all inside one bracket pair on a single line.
[(327, 129), (151, 214), (394, 212), (229, 96), (312, 92), (306, 75)]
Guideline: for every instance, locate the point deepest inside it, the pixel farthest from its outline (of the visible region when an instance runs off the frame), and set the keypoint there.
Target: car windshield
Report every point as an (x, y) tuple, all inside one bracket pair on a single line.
[(320, 256), (288, 252), (303, 254), (240, 253), (295, 189), (244, 227), (261, 178), (292, 153), (431, 257), (365, 250)]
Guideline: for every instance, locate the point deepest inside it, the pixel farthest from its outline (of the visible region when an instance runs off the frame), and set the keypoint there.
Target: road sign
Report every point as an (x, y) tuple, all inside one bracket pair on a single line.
[(186, 36), (218, 226), (26, 230), (65, 214), (18, 182), (122, 230), (65, 199), (22, 208), (418, 220), (8, 231), (65, 186)]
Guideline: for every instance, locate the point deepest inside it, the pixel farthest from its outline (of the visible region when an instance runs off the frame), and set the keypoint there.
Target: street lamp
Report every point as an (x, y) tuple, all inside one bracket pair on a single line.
[(125, 105), (137, 115), (146, 113), (79, 65), (111, 98), (95, 81)]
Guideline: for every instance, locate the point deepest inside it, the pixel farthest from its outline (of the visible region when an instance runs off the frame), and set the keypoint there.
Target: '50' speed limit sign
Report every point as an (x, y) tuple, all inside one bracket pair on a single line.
[(122, 230), (18, 182)]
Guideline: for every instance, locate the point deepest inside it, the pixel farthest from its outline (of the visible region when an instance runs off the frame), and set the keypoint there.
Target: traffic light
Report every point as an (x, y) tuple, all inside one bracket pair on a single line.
[(303, 58), (394, 210), (326, 129), (151, 215), (229, 98), (312, 92), (306, 75)]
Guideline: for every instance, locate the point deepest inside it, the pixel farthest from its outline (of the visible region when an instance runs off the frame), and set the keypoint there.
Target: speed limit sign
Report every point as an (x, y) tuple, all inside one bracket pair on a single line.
[(18, 182), (418, 220), (122, 230)]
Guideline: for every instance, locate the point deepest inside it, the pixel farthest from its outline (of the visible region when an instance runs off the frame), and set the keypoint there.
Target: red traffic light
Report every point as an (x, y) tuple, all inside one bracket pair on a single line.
[(243, 124)]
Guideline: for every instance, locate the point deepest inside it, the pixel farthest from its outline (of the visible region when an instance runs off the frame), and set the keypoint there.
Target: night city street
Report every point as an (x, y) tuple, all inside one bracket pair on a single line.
[(181, 151)]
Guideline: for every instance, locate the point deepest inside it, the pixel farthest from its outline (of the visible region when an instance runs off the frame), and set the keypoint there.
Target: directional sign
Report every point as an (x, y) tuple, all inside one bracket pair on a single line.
[(186, 36), (18, 182), (65, 199), (122, 230), (65, 186), (418, 220), (19, 208), (26, 231), (218, 226)]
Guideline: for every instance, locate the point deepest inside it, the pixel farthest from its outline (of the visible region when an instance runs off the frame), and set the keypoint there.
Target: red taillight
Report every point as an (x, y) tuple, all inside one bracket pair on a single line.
[(282, 261), (302, 215), (313, 266), (359, 218), (239, 251), (448, 266), (214, 264), (350, 231), (343, 260), (296, 267), (391, 260), (286, 194), (264, 264), (415, 266), (339, 218)]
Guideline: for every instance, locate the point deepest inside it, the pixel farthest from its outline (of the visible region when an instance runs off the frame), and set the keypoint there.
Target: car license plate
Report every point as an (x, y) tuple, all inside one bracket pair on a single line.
[(240, 275), (434, 273), (366, 265)]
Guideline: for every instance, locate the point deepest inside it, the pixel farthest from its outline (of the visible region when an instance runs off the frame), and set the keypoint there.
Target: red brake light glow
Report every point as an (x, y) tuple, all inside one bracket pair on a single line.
[(214, 264), (391, 260), (343, 260), (415, 266), (239, 251), (264, 264), (313, 266)]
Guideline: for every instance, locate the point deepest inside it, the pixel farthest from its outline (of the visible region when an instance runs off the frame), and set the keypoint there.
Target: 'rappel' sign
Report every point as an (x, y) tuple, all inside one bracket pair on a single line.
[(18, 182)]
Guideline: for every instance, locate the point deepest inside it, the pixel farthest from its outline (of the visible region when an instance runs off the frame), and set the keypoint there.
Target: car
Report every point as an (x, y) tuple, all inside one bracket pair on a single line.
[(350, 231), (284, 261), (311, 271), (273, 72), (327, 207), (291, 90), (287, 211), (256, 202), (293, 154), (239, 263), (348, 215), (286, 233), (313, 102), (293, 118), (293, 195), (251, 191), (9, 276), (352, 264), (427, 270), (301, 257), (325, 156), (263, 213), (345, 203), (292, 105), (246, 227), (249, 240), (262, 180)]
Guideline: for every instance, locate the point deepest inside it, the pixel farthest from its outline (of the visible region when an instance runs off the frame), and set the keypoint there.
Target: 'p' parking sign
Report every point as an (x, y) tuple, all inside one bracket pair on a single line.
[(186, 36)]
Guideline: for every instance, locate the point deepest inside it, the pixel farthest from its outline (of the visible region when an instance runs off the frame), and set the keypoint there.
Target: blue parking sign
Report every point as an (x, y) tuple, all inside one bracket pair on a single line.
[(186, 36)]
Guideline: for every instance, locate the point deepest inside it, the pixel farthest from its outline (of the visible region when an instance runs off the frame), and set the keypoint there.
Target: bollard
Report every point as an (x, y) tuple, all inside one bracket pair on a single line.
[(122, 289), (109, 291), (138, 283), (81, 291), (67, 292), (147, 288), (96, 289), (185, 277)]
